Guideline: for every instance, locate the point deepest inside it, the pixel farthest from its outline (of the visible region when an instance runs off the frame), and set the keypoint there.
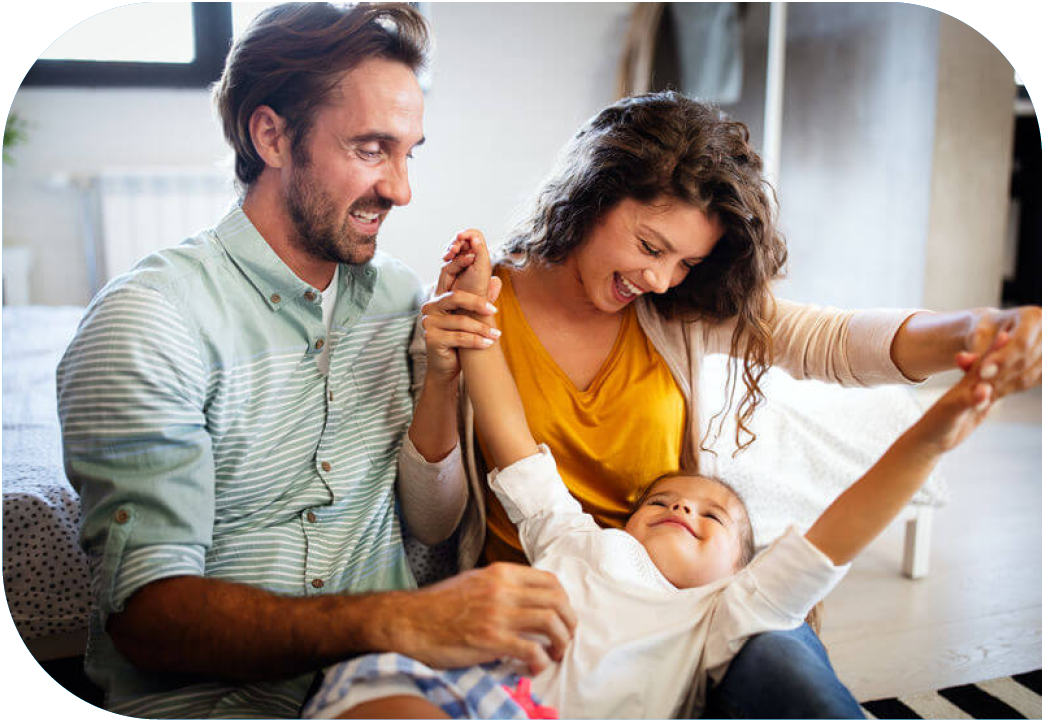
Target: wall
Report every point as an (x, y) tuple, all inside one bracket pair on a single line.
[(871, 218), (895, 157), (857, 145), (511, 82), (972, 154)]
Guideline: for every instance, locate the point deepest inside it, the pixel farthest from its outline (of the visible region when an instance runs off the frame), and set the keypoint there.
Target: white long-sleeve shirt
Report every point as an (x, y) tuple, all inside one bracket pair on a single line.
[(642, 647)]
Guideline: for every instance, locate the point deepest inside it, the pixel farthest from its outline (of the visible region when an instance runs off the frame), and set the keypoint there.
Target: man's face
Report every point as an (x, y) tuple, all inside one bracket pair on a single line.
[(353, 166)]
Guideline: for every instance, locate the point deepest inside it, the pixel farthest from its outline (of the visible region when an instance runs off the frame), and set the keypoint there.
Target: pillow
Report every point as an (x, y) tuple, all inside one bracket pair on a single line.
[(813, 440)]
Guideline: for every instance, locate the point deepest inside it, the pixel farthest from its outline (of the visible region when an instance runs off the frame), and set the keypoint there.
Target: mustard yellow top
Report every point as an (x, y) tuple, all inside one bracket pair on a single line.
[(609, 440)]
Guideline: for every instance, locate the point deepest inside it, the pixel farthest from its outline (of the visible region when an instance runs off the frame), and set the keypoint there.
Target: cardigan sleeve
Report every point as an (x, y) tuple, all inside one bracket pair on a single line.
[(432, 496), (849, 347)]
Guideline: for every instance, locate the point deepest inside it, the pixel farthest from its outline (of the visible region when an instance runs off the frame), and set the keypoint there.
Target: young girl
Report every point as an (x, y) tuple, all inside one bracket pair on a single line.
[(671, 597)]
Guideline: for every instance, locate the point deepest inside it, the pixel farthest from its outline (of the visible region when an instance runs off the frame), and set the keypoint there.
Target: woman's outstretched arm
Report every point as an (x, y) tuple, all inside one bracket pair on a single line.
[(929, 342)]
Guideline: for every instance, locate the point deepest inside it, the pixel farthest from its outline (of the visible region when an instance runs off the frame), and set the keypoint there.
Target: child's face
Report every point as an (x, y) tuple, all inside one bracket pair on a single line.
[(691, 528)]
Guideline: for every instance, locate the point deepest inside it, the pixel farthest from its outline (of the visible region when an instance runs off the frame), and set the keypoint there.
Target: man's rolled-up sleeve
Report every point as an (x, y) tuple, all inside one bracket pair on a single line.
[(131, 393)]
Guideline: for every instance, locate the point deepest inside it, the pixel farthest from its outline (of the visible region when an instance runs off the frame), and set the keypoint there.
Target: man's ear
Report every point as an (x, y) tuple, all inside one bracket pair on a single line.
[(267, 130)]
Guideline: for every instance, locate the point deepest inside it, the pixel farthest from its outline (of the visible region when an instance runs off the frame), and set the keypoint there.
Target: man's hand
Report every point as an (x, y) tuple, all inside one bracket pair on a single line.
[(500, 611), (229, 631), (446, 323)]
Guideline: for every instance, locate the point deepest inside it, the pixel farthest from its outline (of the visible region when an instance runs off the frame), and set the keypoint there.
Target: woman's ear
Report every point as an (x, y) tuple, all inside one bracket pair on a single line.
[(267, 130)]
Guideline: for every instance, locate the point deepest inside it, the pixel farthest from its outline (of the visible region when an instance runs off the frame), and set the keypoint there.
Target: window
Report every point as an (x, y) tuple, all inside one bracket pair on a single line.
[(143, 44), (150, 44)]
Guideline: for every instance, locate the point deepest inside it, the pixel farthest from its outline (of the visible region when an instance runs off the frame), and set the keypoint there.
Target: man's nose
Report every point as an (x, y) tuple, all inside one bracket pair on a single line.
[(394, 185)]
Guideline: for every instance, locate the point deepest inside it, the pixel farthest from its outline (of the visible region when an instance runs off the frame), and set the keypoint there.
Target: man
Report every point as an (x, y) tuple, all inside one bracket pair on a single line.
[(233, 409)]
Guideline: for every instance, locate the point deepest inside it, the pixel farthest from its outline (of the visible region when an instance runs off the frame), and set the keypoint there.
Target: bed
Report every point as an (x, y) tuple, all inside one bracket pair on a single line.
[(45, 570), (814, 439)]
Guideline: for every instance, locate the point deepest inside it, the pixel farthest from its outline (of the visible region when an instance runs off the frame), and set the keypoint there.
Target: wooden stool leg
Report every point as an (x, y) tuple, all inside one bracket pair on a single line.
[(917, 543)]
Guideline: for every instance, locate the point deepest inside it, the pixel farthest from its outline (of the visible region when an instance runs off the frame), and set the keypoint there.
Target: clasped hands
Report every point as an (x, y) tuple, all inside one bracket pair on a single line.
[(450, 318), (505, 610), (1004, 347)]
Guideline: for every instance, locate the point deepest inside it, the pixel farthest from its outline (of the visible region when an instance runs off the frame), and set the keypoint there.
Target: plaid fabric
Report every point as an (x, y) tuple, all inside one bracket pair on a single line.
[(472, 692)]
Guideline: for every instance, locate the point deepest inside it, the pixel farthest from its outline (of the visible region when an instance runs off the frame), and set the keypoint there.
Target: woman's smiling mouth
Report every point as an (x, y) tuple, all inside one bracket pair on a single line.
[(624, 290)]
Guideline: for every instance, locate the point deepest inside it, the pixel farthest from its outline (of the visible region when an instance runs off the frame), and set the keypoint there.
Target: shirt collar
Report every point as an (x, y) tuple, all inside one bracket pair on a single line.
[(266, 271)]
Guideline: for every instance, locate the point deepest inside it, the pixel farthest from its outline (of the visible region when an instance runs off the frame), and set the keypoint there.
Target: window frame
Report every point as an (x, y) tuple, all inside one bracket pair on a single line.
[(212, 28)]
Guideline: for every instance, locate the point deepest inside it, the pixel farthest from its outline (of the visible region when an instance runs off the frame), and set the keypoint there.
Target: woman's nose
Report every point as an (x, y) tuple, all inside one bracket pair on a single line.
[(657, 282), (678, 507)]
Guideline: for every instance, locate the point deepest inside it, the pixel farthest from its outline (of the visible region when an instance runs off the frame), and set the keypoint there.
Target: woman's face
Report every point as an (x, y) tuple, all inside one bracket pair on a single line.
[(638, 248)]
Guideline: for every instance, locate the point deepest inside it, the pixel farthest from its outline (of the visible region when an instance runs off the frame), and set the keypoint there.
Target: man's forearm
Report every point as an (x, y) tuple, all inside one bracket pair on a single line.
[(229, 631), (211, 628)]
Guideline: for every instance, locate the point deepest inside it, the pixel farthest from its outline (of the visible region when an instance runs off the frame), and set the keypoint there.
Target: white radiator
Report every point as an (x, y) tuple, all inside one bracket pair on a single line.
[(129, 214)]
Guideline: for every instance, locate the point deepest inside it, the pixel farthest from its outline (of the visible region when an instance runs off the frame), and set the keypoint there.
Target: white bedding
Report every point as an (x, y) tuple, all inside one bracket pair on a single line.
[(44, 569), (813, 440)]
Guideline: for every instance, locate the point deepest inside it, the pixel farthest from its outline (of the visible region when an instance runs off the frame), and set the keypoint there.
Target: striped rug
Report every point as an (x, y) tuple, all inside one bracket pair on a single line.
[(1017, 696)]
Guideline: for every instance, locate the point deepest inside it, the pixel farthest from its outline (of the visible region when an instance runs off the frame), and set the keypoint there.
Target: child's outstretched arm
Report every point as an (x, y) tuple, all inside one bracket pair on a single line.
[(869, 505), (497, 405)]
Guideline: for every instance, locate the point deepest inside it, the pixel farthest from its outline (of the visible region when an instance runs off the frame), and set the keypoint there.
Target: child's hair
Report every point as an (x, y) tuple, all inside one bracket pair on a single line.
[(745, 529)]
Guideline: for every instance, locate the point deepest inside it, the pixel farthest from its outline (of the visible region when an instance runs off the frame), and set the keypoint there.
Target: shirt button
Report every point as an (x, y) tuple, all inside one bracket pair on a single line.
[(317, 583), (326, 466), (330, 396), (319, 343), (311, 517), (122, 516), (276, 298), (309, 295)]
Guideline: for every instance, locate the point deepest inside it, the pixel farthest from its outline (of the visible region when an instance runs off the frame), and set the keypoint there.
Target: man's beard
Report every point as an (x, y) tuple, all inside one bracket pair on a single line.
[(313, 214)]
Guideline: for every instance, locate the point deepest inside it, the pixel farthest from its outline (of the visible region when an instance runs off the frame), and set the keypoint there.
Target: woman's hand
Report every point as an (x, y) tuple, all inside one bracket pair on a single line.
[(446, 317), (1008, 344)]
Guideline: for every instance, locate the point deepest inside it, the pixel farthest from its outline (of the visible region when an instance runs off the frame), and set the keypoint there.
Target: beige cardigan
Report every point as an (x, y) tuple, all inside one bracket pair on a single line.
[(851, 348)]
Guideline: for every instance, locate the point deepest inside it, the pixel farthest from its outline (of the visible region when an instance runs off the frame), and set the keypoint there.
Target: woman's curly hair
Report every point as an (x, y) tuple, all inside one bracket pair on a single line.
[(666, 145)]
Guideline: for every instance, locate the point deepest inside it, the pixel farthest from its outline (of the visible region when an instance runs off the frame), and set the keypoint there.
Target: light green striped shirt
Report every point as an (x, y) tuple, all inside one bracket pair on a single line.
[(204, 440)]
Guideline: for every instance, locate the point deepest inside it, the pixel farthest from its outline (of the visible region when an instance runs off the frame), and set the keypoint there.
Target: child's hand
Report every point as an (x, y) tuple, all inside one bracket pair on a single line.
[(958, 412), (476, 276)]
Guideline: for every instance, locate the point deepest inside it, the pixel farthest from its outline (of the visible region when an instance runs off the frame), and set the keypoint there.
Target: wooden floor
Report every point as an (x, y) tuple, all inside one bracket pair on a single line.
[(978, 613)]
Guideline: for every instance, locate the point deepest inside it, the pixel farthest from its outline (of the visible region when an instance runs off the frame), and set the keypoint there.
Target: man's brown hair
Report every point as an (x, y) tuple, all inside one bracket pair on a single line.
[(291, 57)]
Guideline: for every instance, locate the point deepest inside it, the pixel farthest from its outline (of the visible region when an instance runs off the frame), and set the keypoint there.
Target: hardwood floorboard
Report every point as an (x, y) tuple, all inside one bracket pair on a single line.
[(978, 613)]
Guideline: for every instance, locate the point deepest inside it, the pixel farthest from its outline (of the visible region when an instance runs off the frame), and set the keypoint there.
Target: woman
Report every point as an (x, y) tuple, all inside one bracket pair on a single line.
[(652, 244)]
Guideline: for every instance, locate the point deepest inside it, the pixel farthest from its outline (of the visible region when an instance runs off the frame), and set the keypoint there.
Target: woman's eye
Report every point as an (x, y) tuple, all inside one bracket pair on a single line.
[(657, 502), (714, 517), (649, 249), (692, 264)]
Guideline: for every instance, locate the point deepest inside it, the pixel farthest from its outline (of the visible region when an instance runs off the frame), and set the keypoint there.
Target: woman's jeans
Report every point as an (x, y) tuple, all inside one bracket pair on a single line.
[(782, 675)]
